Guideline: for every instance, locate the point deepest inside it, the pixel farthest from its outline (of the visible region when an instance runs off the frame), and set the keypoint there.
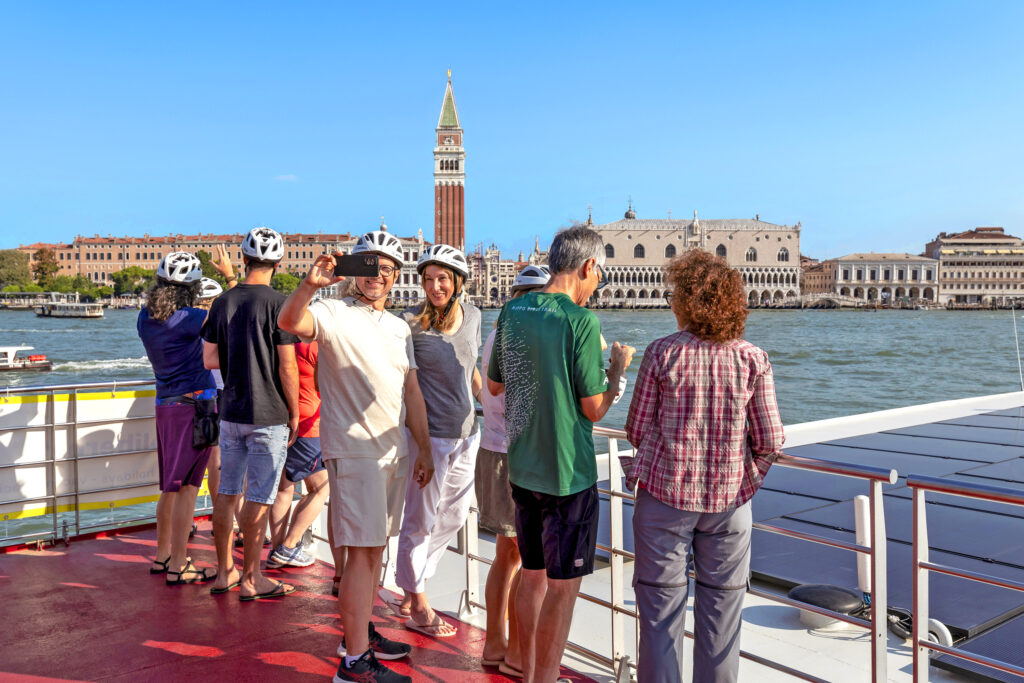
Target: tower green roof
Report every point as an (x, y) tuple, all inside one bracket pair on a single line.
[(449, 115)]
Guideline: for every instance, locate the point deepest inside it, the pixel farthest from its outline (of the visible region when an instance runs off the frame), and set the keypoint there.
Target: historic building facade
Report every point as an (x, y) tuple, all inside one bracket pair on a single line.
[(98, 258), (884, 279), (449, 175), (979, 266), (767, 256)]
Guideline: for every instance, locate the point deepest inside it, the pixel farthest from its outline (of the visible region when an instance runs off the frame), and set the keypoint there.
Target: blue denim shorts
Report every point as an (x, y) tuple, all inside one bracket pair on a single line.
[(252, 456)]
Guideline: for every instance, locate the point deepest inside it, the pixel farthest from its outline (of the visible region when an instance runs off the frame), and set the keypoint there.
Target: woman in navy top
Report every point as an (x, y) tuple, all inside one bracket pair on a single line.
[(169, 327)]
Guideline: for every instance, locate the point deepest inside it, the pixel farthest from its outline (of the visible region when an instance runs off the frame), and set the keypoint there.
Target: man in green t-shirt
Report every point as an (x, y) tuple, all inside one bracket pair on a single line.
[(548, 360)]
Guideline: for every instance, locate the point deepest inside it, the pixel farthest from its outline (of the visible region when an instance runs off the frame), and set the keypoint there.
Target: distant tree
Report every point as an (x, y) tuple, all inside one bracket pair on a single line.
[(11, 288), (81, 283), (45, 267), (63, 284), (32, 288), (205, 258), (132, 280), (285, 282), (14, 268)]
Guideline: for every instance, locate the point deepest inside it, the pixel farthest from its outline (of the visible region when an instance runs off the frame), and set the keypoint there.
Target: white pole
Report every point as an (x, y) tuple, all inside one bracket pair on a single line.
[(1016, 341), (862, 523)]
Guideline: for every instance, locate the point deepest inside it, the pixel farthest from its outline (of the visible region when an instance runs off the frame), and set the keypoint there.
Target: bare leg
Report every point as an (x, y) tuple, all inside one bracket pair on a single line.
[(496, 592), (424, 615), (553, 630), (307, 509), (337, 552), (254, 527), (223, 540), (181, 525), (355, 599), (213, 473), (164, 524), (533, 585), (280, 511), (513, 657)]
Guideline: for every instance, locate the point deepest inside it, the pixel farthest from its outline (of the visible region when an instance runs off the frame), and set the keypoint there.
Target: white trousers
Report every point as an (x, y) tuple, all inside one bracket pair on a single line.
[(435, 513)]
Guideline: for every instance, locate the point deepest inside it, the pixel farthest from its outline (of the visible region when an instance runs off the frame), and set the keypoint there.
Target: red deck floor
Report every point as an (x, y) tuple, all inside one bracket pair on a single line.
[(91, 611)]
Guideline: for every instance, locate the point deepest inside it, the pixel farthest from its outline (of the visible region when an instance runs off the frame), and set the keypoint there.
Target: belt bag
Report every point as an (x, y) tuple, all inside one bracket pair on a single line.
[(205, 423)]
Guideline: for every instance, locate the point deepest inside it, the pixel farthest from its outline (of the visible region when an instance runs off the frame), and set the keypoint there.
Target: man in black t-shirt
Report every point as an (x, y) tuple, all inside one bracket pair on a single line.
[(259, 410)]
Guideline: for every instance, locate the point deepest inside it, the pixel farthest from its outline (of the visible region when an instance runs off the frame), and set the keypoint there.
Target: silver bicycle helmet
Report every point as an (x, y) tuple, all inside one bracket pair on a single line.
[(209, 288), (380, 243), (263, 244), (180, 267), (531, 276), (443, 255)]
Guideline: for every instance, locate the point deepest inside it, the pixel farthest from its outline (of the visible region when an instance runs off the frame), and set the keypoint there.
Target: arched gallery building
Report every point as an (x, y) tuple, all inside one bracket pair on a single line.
[(767, 256)]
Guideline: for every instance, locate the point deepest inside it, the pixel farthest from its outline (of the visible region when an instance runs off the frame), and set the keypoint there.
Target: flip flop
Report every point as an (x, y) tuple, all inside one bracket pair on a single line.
[(509, 670), (220, 591), (433, 629), (279, 592), (394, 603), (492, 662)]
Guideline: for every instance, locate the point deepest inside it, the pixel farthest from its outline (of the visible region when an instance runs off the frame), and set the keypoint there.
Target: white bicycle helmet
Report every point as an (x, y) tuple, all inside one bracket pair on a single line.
[(263, 244), (531, 276), (443, 255), (180, 267), (380, 243), (209, 288)]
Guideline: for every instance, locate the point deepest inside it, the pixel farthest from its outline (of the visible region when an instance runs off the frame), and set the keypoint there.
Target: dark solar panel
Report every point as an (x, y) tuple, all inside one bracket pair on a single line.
[(966, 607), (823, 486), (965, 433), (1005, 643), (901, 462), (994, 421), (941, 448)]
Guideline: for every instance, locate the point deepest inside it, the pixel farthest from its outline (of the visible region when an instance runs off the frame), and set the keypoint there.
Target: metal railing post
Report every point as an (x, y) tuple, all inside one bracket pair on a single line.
[(617, 543), (472, 550), (73, 419), (879, 586), (51, 446), (920, 604)]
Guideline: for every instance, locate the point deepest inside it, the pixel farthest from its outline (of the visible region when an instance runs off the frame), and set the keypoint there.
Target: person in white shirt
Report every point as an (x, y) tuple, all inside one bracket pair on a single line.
[(370, 394)]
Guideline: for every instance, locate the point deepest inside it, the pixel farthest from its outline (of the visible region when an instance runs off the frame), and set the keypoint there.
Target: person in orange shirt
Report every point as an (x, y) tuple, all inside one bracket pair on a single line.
[(304, 463)]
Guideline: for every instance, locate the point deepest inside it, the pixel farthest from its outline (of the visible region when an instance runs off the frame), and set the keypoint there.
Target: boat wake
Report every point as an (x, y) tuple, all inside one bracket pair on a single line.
[(110, 364)]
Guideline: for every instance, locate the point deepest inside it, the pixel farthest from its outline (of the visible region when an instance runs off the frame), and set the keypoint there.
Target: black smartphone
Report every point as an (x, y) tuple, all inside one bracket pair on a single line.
[(357, 265)]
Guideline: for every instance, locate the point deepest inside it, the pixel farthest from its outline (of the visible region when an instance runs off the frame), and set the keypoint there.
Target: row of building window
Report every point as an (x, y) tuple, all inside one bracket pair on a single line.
[(751, 255), (720, 251), (449, 164), (915, 274)]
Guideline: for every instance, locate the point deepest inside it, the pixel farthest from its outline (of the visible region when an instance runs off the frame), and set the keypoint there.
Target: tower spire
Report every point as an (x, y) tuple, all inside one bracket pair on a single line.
[(449, 174)]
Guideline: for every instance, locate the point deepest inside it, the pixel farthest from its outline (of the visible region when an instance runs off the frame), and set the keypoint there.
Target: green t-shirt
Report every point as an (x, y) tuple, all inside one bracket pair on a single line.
[(547, 352)]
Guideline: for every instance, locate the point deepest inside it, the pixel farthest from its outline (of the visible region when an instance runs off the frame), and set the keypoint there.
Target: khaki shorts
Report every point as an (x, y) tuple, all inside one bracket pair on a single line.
[(493, 493), (367, 498)]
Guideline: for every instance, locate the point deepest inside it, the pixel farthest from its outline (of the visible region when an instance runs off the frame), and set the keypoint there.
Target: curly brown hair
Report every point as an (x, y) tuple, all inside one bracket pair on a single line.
[(707, 295), (164, 298)]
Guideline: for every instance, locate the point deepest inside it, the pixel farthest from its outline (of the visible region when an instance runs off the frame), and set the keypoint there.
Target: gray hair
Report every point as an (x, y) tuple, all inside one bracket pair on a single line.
[(572, 247)]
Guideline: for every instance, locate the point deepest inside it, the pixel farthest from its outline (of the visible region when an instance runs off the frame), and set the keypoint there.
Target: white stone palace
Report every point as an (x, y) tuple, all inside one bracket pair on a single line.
[(767, 256)]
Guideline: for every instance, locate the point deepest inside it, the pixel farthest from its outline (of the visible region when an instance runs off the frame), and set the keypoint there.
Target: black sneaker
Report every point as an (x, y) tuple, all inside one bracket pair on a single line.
[(381, 646), (367, 669)]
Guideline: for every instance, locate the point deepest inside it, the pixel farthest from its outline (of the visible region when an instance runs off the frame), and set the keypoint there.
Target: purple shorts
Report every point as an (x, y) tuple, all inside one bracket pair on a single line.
[(180, 464)]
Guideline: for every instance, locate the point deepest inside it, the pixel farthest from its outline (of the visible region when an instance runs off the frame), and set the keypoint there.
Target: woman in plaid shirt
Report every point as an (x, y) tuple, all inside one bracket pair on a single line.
[(706, 428)]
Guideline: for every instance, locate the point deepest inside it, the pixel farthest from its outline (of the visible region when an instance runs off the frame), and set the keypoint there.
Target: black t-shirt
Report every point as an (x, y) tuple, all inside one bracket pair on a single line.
[(243, 325)]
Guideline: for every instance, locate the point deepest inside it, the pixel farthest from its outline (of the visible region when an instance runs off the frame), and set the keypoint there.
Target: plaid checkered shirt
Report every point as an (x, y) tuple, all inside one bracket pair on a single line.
[(704, 423)]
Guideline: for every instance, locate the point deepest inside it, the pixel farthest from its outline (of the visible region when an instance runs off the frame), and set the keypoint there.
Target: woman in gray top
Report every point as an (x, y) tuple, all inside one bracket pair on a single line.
[(446, 341)]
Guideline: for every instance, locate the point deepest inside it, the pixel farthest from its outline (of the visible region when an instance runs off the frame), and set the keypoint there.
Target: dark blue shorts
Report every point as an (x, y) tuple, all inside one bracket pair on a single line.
[(303, 459), (557, 533)]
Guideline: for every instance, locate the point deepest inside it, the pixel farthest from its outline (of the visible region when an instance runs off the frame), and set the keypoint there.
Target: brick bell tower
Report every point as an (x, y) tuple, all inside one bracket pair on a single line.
[(449, 175)]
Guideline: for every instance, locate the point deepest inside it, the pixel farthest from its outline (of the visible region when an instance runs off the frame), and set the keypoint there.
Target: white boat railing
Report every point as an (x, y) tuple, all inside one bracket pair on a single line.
[(619, 661), (920, 485)]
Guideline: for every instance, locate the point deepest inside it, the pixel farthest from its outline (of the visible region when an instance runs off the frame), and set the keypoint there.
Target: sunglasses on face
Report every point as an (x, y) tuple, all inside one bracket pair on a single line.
[(602, 281)]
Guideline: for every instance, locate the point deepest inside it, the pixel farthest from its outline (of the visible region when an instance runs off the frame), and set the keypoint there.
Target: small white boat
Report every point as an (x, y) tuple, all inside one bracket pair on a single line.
[(10, 360), (69, 310)]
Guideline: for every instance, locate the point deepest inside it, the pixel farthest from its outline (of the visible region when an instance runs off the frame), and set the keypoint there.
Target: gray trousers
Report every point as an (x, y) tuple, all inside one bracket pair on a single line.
[(663, 537)]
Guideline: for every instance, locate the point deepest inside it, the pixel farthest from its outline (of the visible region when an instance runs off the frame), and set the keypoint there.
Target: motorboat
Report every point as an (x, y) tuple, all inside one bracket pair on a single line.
[(15, 358), (69, 310)]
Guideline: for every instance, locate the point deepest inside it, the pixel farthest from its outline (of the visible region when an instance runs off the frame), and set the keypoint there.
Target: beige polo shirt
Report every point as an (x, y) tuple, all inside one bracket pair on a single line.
[(365, 356)]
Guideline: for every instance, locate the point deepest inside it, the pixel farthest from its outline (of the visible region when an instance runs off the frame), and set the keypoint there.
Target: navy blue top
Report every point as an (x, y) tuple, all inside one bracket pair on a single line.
[(175, 350)]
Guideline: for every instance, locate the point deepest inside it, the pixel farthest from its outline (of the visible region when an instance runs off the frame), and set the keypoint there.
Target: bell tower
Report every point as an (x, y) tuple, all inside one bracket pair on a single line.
[(449, 175)]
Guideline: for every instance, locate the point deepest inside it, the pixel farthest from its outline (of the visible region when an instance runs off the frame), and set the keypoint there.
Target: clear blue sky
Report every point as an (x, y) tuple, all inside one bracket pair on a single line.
[(875, 124)]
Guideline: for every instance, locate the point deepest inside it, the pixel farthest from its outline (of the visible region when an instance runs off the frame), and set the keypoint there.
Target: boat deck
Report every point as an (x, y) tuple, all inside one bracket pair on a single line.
[(91, 611)]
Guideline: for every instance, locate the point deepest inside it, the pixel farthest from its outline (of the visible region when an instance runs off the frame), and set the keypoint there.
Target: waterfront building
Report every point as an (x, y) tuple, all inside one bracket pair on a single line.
[(449, 175), (490, 276), (766, 254), (980, 266), (885, 279), (98, 258)]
